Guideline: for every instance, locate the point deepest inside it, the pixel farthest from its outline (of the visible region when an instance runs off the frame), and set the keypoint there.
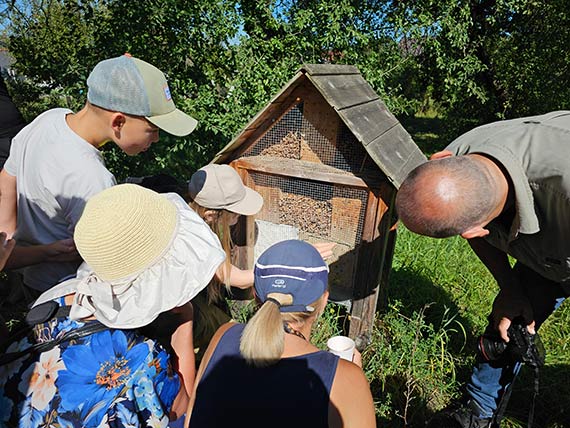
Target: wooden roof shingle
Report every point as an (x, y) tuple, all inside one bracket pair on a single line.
[(359, 107)]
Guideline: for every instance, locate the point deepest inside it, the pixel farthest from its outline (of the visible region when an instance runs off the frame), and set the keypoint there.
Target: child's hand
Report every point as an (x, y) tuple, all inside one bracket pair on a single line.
[(325, 249), (6, 247), (62, 251)]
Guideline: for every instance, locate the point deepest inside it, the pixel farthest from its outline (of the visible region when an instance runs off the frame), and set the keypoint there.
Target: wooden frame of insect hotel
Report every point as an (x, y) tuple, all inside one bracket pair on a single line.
[(327, 156)]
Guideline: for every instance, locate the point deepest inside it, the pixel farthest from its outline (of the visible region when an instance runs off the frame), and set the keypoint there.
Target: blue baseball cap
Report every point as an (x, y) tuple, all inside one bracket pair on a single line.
[(291, 267)]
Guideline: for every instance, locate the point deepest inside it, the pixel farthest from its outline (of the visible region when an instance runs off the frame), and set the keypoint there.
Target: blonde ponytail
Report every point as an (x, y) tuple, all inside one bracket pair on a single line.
[(262, 340)]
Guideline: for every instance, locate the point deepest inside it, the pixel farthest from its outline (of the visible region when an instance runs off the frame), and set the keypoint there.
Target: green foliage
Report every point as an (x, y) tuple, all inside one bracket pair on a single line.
[(488, 60), (224, 59), (533, 60), (427, 129), (472, 61), (333, 322), (411, 369)]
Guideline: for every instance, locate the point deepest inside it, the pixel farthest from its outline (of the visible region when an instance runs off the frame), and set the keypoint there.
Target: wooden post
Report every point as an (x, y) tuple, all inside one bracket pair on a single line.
[(373, 266)]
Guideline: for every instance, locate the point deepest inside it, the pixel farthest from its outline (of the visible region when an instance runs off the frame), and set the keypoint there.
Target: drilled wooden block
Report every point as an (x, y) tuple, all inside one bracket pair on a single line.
[(346, 214)]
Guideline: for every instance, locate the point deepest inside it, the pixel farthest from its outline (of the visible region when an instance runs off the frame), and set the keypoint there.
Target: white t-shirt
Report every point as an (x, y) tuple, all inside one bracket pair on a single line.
[(56, 172)]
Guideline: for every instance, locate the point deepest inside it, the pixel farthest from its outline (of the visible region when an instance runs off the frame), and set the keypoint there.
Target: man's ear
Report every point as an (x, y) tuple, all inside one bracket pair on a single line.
[(475, 232), (117, 121), (441, 155)]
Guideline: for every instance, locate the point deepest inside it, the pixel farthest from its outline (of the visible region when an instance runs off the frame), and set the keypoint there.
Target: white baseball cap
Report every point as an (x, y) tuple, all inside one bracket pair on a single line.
[(220, 187)]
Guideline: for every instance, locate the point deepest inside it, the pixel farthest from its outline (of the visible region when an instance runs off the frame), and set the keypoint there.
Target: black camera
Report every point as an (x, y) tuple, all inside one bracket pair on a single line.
[(522, 347)]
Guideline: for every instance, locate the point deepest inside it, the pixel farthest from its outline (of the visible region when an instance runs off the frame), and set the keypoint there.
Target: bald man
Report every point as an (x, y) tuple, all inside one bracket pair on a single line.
[(505, 187)]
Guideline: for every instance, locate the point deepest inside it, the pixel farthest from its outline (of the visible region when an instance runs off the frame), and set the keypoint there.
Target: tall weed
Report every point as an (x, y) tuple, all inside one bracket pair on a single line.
[(409, 365)]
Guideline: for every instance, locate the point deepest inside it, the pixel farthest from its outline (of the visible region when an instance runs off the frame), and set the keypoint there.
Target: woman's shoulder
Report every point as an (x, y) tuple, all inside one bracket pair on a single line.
[(223, 329), (349, 381), (351, 397), (218, 335), (349, 369)]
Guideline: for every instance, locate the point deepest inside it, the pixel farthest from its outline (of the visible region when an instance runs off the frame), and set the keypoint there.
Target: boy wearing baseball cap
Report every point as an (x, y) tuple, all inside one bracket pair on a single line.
[(55, 164)]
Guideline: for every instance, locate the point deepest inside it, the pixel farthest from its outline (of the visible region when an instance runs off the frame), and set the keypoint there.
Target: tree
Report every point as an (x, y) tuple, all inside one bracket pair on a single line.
[(477, 60), (224, 59), (490, 59)]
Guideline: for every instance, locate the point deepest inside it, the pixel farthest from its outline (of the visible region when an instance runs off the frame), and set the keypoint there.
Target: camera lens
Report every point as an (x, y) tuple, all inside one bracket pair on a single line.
[(491, 348)]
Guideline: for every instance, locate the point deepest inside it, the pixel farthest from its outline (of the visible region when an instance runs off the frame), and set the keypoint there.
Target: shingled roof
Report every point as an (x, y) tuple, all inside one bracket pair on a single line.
[(359, 107)]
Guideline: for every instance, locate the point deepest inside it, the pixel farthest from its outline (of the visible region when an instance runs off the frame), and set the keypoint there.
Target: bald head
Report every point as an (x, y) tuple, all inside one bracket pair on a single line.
[(446, 197)]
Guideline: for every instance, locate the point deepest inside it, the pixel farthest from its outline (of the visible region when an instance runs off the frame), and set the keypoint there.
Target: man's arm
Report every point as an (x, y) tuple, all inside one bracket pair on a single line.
[(494, 259), (510, 303)]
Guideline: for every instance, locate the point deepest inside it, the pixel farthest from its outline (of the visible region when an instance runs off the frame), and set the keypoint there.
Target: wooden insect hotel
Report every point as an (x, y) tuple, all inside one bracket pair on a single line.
[(327, 156)]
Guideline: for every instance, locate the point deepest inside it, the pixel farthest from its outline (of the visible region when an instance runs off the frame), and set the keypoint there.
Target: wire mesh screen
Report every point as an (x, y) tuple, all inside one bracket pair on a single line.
[(295, 208), (295, 137)]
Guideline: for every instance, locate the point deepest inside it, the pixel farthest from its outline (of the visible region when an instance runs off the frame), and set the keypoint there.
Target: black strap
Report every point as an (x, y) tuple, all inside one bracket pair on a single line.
[(275, 301), (534, 395), (502, 407), (89, 328), (45, 312)]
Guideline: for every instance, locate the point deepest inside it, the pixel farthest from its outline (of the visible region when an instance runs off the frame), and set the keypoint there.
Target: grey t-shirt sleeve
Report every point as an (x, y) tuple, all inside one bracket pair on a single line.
[(75, 195)]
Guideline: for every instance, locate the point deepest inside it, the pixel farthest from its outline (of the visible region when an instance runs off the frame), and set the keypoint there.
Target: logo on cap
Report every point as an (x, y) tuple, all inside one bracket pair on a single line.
[(167, 93)]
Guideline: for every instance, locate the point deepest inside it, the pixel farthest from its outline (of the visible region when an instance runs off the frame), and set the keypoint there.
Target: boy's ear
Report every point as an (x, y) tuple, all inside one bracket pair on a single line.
[(475, 232), (441, 155), (117, 121)]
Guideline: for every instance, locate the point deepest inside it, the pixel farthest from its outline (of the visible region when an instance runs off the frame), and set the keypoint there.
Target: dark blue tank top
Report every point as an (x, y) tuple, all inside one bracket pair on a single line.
[(292, 393)]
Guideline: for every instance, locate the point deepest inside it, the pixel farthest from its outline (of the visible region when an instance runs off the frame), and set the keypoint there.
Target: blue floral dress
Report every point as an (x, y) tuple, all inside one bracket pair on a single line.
[(114, 378)]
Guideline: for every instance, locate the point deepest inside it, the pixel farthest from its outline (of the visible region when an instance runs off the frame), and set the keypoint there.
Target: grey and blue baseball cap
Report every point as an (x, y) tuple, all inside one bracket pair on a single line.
[(132, 86), (291, 267)]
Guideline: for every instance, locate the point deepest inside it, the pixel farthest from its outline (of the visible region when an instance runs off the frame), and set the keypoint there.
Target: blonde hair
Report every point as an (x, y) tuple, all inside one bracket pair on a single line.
[(263, 339), (220, 225)]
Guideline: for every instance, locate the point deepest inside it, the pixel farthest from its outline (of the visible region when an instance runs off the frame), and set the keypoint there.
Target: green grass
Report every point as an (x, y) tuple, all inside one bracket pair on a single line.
[(427, 131), (442, 284)]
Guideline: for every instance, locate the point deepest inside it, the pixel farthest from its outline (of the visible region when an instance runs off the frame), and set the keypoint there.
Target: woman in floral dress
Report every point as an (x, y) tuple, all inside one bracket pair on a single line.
[(145, 255)]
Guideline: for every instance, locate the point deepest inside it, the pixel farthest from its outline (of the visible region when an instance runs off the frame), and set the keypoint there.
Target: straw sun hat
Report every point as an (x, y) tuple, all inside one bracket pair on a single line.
[(145, 253)]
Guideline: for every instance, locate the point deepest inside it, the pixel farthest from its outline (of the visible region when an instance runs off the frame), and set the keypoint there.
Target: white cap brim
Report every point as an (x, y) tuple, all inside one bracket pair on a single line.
[(176, 123), (249, 205)]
